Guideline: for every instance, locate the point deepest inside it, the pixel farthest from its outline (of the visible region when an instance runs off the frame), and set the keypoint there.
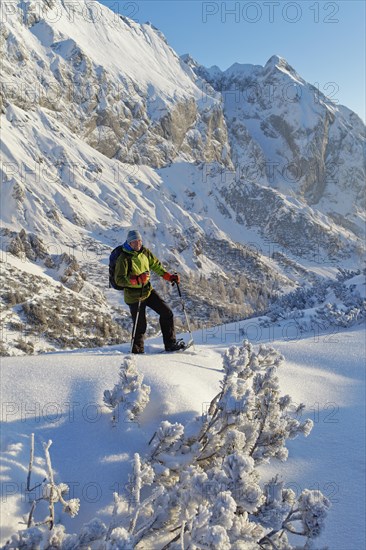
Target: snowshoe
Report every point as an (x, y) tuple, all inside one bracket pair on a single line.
[(177, 345)]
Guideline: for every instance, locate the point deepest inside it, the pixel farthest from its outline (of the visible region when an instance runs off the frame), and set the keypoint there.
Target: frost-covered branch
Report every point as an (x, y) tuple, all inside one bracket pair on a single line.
[(203, 490), (52, 493), (129, 396), (142, 475)]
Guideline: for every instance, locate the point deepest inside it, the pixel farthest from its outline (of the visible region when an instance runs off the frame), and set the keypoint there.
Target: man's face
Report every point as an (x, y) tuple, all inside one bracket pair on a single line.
[(136, 245)]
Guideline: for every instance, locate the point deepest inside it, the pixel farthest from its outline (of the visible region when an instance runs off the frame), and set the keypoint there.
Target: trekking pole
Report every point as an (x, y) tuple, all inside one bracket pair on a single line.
[(136, 320), (191, 342)]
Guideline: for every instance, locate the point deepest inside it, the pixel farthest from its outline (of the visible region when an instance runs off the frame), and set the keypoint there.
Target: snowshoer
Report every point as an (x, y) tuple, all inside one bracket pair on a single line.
[(132, 272)]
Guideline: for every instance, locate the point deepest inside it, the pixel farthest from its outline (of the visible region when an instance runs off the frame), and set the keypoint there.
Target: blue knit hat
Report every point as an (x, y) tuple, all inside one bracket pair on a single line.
[(133, 235)]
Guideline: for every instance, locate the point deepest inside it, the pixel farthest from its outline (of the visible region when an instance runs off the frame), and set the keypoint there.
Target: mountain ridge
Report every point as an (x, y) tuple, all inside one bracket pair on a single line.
[(119, 131)]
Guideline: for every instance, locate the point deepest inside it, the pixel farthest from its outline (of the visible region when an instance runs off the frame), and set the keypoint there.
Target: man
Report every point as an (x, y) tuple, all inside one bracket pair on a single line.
[(132, 271)]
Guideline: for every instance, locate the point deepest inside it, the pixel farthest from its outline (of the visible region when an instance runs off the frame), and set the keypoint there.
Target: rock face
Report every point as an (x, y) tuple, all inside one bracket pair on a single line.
[(286, 135), (115, 84), (106, 127)]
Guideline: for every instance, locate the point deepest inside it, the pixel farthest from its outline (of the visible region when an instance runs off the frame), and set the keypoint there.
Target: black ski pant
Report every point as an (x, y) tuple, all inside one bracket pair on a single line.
[(156, 303)]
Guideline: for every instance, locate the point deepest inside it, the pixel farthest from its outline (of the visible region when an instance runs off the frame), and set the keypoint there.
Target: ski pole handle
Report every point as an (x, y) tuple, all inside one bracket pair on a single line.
[(176, 283)]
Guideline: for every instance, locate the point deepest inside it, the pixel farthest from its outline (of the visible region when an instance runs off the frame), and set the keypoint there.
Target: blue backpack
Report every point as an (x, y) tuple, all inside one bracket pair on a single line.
[(115, 254)]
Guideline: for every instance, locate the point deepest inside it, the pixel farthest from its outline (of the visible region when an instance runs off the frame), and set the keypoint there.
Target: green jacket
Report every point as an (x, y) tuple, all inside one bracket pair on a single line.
[(141, 261)]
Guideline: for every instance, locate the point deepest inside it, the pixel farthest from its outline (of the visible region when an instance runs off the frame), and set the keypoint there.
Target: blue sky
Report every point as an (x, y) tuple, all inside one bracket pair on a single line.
[(323, 40)]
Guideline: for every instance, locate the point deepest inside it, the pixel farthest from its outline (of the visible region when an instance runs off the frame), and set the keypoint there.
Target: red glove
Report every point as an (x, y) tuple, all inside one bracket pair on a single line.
[(175, 278), (141, 279)]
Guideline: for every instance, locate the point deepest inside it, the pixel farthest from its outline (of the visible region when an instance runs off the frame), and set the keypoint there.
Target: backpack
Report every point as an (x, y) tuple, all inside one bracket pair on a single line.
[(112, 265)]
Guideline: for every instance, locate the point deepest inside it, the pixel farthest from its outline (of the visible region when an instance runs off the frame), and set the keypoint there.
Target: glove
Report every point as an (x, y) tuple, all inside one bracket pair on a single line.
[(141, 279), (175, 278)]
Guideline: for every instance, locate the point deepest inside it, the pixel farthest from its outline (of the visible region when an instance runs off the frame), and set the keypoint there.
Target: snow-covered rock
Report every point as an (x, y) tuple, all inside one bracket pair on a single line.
[(286, 135)]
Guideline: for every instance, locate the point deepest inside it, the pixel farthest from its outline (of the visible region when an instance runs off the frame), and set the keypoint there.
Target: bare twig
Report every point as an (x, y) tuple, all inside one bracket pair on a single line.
[(141, 532), (267, 539), (152, 439), (31, 459), (209, 426), (260, 431), (30, 517), (173, 540)]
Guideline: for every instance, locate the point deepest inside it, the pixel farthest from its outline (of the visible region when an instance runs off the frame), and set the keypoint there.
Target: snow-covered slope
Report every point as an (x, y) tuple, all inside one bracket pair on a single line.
[(325, 371)]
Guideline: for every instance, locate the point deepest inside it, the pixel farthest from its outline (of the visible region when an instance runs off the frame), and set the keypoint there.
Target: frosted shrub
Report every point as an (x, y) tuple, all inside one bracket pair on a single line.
[(129, 393), (119, 539), (291, 305), (349, 309), (250, 408), (94, 530), (166, 437), (52, 493), (313, 509), (340, 316), (204, 490), (26, 539), (207, 486)]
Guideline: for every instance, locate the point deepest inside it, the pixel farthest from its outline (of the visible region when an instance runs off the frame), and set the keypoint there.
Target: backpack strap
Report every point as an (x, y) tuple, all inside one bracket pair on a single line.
[(116, 253), (129, 261)]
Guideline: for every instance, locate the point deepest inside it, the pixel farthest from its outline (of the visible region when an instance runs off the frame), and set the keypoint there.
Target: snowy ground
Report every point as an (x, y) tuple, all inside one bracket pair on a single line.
[(59, 397)]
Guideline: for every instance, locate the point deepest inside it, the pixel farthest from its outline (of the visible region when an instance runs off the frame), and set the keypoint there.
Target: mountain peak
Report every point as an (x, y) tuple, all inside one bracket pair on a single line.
[(276, 62)]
